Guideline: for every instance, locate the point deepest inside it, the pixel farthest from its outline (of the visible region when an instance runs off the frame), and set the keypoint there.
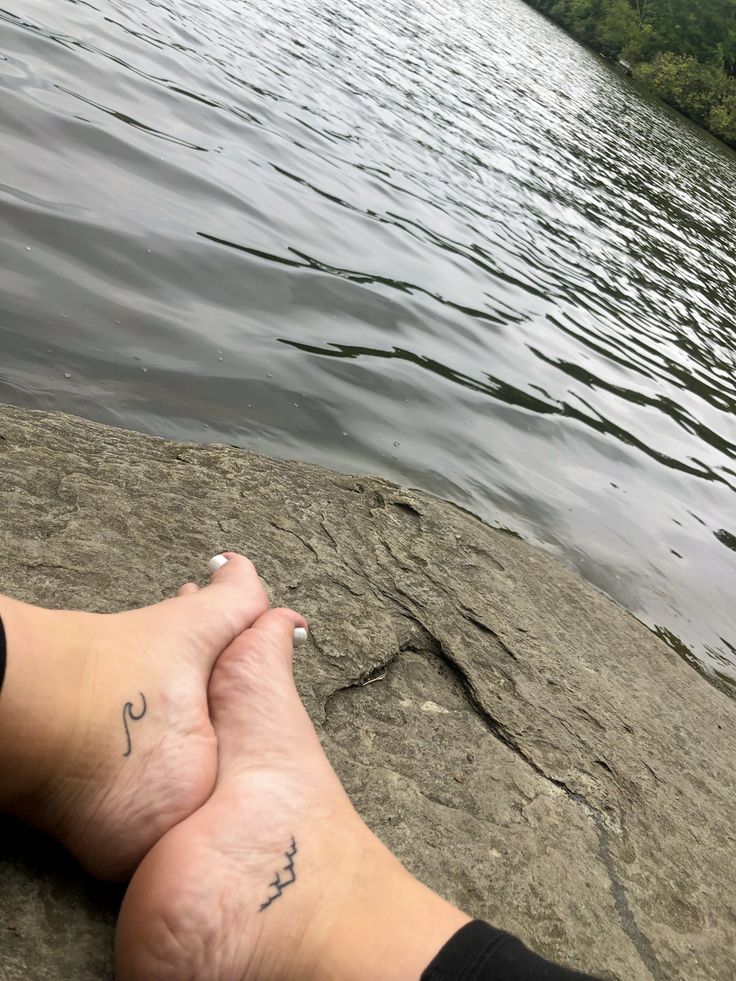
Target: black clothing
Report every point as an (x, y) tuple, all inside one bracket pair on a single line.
[(479, 952)]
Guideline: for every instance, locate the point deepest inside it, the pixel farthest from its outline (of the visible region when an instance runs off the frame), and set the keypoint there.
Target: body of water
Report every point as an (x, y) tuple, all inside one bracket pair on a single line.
[(439, 241)]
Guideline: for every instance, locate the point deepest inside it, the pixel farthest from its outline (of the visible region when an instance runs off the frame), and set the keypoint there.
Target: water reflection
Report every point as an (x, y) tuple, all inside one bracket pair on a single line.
[(392, 239)]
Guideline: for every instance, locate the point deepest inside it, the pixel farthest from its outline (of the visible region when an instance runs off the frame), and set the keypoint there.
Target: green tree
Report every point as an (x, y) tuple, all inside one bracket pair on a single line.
[(622, 31), (618, 26), (722, 118), (686, 84), (684, 49)]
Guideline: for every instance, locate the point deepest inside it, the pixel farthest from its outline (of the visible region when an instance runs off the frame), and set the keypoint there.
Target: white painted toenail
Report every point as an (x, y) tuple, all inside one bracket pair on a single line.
[(300, 636), (215, 563)]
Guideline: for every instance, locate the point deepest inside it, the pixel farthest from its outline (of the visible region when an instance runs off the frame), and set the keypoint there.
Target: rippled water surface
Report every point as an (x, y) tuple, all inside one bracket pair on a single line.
[(434, 240)]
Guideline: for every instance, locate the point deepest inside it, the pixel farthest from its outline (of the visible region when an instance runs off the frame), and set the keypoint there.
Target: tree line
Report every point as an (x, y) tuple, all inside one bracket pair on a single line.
[(685, 50)]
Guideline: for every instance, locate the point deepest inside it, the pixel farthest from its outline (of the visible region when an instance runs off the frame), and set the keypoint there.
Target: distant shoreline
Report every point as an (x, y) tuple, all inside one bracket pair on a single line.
[(679, 80)]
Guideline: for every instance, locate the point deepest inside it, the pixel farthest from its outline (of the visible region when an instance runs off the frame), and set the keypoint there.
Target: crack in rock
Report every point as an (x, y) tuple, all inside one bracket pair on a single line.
[(429, 643), (626, 915)]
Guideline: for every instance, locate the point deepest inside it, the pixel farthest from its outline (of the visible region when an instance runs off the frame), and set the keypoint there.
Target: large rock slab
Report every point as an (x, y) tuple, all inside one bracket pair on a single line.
[(525, 746)]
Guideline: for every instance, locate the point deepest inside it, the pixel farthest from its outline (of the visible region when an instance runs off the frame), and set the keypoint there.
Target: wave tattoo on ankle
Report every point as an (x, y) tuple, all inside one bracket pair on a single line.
[(130, 715), (279, 884)]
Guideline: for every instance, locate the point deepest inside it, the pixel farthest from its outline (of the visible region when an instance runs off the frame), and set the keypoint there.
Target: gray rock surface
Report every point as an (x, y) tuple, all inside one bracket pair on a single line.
[(525, 746)]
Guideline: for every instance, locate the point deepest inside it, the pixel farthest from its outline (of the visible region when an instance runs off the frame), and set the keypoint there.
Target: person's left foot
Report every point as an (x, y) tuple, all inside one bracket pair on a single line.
[(117, 705), (275, 877)]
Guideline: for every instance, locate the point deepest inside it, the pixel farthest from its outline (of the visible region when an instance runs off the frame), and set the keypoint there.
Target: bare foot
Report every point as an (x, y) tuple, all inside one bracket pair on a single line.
[(105, 735), (276, 877)]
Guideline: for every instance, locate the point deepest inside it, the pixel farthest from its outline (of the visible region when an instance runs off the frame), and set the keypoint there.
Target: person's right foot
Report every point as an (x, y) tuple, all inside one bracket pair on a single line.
[(276, 877)]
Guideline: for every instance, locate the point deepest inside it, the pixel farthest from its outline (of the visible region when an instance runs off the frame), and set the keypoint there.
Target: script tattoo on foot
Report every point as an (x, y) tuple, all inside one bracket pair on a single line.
[(278, 884), (129, 715)]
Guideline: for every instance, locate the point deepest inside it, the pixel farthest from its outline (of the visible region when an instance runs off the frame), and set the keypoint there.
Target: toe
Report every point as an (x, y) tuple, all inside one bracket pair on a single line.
[(232, 601), (252, 686), (238, 578), (266, 650), (232, 568), (207, 620)]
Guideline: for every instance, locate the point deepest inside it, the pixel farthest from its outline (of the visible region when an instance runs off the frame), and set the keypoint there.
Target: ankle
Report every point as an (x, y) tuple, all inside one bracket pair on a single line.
[(38, 702), (380, 923)]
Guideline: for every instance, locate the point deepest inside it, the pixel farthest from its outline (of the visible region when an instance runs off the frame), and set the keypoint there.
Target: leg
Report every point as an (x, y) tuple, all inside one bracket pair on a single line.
[(105, 736), (276, 876)]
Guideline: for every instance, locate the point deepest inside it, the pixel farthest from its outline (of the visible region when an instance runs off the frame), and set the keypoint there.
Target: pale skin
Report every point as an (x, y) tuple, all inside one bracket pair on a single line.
[(62, 729), (251, 861)]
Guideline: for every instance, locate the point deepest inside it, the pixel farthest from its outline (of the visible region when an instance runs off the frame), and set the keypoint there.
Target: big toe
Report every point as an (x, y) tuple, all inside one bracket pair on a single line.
[(233, 599), (235, 573), (252, 696)]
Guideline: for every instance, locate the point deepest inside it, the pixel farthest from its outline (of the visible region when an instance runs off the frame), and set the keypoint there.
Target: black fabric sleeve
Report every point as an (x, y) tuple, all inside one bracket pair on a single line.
[(479, 952), (3, 654)]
